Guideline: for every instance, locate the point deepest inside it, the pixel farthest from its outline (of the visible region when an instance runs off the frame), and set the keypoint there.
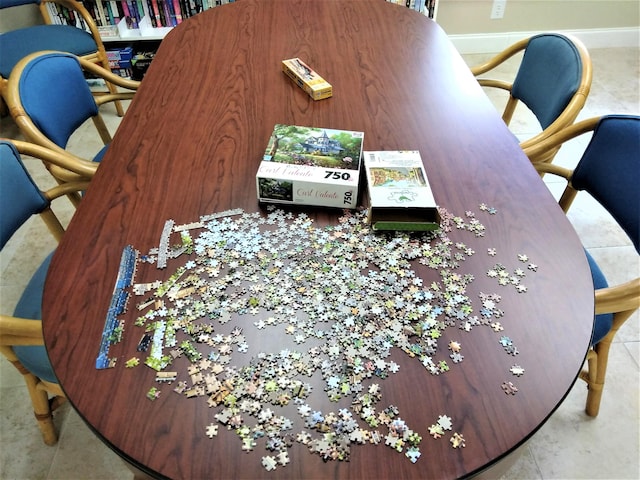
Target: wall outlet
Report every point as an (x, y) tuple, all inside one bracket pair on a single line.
[(497, 10)]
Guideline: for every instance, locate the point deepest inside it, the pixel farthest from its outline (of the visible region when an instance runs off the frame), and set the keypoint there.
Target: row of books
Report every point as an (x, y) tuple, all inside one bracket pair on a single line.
[(63, 16), (106, 13), (162, 13)]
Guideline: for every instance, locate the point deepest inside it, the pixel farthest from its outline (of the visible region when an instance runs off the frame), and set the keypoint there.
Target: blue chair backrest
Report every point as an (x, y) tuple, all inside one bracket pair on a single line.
[(56, 96), (610, 171), (548, 77), (20, 198), (16, 3)]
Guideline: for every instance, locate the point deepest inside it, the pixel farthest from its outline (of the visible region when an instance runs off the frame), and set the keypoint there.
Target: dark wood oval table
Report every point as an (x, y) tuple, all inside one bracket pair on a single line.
[(190, 145)]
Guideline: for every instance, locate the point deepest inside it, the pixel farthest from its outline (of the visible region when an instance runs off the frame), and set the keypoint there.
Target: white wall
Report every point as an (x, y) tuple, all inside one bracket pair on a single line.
[(598, 23)]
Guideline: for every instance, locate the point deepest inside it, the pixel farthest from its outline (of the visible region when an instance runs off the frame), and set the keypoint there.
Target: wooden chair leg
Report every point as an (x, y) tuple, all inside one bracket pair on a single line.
[(597, 360), (510, 107), (98, 121), (119, 108), (110, 86), (593, 376), (41, 405)]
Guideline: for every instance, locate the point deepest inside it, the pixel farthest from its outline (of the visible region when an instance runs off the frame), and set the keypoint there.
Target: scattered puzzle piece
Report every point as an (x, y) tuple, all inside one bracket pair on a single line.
[(212, 430), (457, 440), (153, 393), (267, 269), (445, 422), (132, 362), (413, 454), (269, 463), (509, 388)]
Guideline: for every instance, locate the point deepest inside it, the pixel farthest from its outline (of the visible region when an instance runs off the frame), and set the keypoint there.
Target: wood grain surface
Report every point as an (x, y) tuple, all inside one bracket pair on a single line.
[(190, 144)]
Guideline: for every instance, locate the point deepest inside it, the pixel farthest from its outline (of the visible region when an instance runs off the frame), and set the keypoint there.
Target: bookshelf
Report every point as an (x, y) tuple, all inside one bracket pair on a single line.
[(132, 30), (134, 20)]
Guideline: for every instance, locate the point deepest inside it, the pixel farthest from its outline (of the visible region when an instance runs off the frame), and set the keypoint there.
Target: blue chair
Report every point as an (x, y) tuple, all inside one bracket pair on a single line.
[(610, 171), (21, 338), (49, 99), (553, 80), (83, 39)]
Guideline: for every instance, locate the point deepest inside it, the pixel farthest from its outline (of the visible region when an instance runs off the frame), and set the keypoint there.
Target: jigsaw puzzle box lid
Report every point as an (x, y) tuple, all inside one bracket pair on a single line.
[(400, 197), (311, 166)]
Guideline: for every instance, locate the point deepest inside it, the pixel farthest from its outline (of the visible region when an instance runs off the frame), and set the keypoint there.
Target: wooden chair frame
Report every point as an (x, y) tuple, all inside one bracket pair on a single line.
[(33, 134), (621, 300), (19, 331), (99, 57), (566, 118)]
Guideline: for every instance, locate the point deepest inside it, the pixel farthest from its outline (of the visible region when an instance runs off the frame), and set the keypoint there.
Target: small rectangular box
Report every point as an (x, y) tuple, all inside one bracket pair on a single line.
[(123, 54), (140, 64), (109, 31), (400, 197), (311, 166), (307, 79)]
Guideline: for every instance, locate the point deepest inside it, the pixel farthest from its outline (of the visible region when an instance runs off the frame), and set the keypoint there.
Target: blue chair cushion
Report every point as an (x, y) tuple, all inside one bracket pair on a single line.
[(548, 77), (610, 171), (35, 358), (603, 322), (16, 3), (66, 102), (20, 197), (17, 44)]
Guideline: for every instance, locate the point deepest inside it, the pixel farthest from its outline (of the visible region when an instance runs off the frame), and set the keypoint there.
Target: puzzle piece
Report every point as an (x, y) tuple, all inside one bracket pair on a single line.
[(509, 388), (269, 463), (212, 430), (413, 454), (457, 440), (248, 443), (153, 393), (283, 458), (132, 362), (445, 422), (436, 431)]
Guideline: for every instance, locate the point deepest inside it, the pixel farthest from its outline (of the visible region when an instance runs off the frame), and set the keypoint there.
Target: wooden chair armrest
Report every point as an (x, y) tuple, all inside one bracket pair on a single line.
[(62, 159), (111, 77), (487, 82), (559, 136), (553, 169), (500, 58), (113, 97), (66, 188), (20, 331), (569, 193), (28, 128), (559, 125), (619, 298)]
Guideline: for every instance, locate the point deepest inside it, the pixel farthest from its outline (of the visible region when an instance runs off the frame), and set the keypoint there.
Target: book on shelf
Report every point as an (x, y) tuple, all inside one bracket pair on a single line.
[(311, 166), (400, 197)]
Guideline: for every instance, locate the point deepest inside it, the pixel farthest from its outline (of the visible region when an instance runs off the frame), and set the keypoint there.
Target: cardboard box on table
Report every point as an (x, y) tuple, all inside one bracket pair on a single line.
[(311, 166)]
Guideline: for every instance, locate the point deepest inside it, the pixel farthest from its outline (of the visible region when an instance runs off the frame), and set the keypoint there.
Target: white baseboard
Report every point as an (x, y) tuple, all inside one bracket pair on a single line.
[(592, 38)]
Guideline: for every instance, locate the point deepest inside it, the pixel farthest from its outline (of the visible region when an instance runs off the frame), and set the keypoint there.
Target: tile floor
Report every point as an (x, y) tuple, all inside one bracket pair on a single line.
[(569, 446)]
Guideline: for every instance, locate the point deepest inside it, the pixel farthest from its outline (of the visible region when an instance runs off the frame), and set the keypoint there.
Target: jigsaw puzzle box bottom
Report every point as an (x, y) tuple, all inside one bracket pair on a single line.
[(400, 196), (311, 166)]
